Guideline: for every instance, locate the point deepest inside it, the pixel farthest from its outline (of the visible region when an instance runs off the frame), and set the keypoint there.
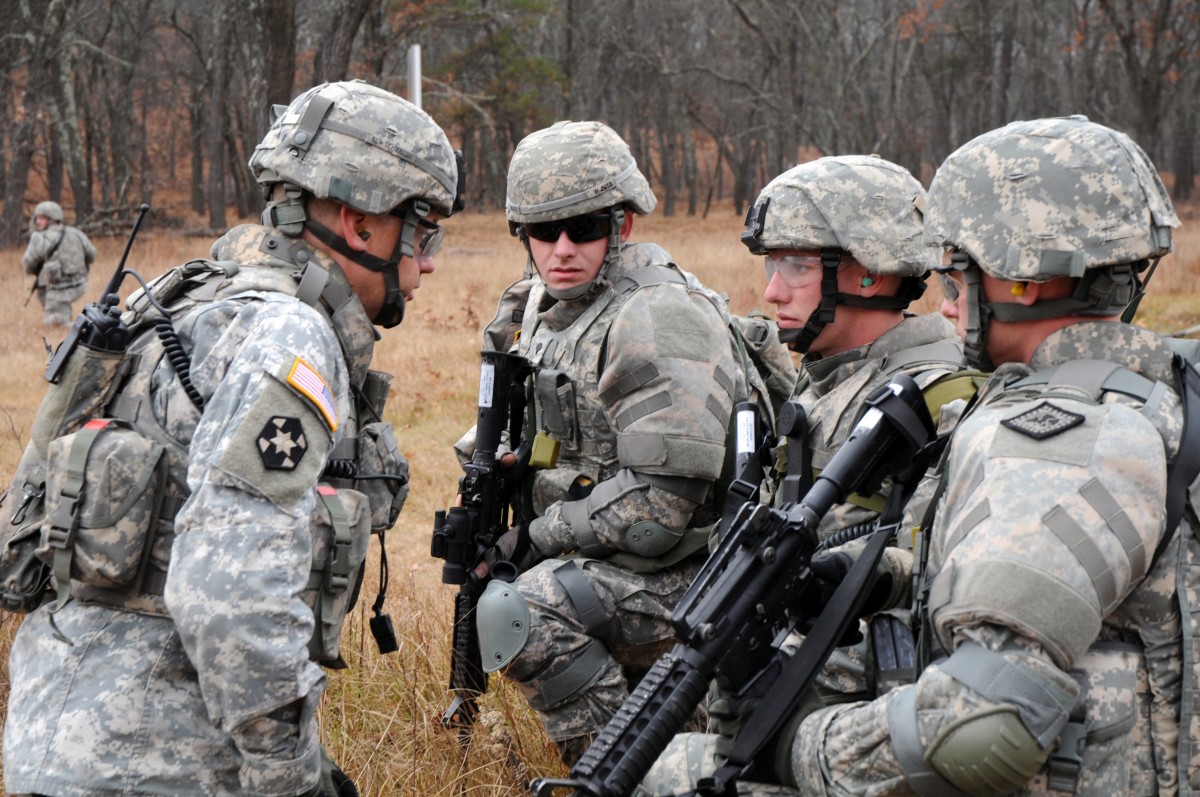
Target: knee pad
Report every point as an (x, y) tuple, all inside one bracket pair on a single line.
[(502, 621), (987, 753), (991, 750)]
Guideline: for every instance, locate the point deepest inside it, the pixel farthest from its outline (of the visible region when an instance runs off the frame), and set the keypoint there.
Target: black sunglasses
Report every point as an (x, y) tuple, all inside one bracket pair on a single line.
[(580, 229)]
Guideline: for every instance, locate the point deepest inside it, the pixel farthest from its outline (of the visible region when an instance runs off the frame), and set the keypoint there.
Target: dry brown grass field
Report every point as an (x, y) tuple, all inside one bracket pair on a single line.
[(381, 716)]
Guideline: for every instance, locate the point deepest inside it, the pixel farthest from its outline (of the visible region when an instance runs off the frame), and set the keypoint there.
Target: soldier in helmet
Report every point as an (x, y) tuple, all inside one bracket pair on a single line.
[(181, 650), (634, 382), (59, 257), (844, 252), (842, 243), (1058, 597)]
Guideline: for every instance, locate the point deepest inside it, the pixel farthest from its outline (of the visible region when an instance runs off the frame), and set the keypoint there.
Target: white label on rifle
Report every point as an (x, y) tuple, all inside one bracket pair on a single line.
[(870, 419), (745, 432), (487, 384)]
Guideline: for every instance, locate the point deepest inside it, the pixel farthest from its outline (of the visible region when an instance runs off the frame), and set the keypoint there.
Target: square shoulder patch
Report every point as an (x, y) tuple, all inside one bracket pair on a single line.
[(304, 379), (1044, 420)]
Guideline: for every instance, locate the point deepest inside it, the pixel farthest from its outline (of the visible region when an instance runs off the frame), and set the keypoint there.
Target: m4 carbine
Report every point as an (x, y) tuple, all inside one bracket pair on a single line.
[(463, 534), (751, 593)]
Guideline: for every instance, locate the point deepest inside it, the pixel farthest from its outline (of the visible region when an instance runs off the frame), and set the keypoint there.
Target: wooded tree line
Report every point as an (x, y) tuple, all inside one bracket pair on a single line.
[(111, 102)]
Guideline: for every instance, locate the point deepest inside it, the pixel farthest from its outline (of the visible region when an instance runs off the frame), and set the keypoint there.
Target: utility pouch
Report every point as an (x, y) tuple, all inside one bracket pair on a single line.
[(379, 455), (24, 577), (341, 531), (83, 389), (556, 406), (104, 495)]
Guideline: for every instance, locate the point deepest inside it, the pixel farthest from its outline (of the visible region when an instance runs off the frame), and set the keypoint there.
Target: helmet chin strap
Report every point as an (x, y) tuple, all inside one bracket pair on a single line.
[(801, 339), (391, 312), (616, 221), (979, 316), (911, 289)]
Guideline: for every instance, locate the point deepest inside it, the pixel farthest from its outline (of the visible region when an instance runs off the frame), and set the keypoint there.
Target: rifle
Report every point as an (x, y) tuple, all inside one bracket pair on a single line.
[(752, 592), (462, 534)]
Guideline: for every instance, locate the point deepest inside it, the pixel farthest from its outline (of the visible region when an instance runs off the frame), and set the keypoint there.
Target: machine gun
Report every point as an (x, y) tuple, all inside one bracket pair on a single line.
[(750, 594), (462, 534)]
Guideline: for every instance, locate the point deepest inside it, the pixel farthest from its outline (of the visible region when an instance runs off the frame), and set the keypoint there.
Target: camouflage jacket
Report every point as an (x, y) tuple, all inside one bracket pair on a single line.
[(1056, 489), (207, 683), (636, 384), (60, 257), (832, 391)]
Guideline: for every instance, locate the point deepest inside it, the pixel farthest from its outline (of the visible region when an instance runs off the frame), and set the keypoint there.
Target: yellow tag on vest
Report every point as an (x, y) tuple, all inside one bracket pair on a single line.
[(545, 451)]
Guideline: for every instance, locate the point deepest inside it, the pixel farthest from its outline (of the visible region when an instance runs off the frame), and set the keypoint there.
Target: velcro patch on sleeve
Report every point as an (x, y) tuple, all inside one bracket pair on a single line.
[(307, 382), (1043, 421)]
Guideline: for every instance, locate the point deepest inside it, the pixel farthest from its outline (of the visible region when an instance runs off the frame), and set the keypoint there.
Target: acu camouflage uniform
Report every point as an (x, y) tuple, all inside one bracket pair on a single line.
[(1036, 471), (59, 256), (872, 209), (635, 378), (201, 681), (1037, 468), (636, 385), (1060, 607), (191, 665)]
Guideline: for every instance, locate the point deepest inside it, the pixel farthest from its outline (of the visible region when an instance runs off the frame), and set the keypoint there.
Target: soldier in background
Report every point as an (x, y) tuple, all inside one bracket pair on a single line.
[(182, 652), (59, 258), (1059, 599), (634, 383)]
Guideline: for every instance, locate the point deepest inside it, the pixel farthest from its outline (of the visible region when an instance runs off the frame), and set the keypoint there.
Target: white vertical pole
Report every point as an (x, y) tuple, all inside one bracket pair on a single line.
[(414, 74)]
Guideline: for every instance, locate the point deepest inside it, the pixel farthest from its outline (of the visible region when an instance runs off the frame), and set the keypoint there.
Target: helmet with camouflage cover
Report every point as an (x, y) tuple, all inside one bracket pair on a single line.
[(362, 146), (861, 204), (572, 169), (367, 149), (857, 205), (1045, 199), (1049, 198), (51, 210)]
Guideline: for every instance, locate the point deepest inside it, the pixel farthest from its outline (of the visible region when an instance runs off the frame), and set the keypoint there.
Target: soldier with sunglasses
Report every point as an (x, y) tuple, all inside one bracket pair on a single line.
[(634, 382)]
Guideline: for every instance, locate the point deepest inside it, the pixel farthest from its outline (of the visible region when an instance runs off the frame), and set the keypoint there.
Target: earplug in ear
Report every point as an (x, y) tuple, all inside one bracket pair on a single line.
[(867, 282), (1018, 289), (366, 236)]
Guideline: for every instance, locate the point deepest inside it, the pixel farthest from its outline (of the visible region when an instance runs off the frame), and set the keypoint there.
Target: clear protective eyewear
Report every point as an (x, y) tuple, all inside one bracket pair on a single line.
[(796, 271), (952, 284), (428, 238)]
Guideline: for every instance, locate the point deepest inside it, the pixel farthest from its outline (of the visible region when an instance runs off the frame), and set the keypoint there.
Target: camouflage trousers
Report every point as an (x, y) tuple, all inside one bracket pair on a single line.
[(577, 672), (56, 303), (690, 757)]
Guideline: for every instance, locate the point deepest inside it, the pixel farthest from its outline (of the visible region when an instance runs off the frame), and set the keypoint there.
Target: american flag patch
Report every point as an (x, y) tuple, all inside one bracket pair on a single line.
[(309, 382)]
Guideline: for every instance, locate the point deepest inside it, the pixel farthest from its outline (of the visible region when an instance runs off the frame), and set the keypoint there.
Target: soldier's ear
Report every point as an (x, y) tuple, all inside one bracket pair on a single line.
[(1026, 293), (352, 226)]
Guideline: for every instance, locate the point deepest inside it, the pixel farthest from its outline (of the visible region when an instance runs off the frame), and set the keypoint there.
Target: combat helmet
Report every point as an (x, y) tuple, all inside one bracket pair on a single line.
[(572, 169), (860, 205), (365, 148), (51, 210), (1037, 200)]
